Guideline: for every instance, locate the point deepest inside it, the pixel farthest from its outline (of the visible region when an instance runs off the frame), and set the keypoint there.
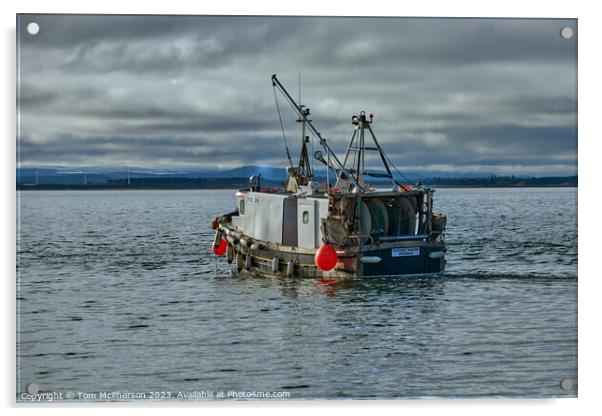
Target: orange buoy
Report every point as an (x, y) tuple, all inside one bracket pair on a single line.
[(326, 257), (221, 249)]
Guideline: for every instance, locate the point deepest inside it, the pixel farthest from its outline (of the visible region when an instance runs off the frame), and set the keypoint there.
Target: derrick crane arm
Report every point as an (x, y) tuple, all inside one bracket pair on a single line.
[(341, 169)]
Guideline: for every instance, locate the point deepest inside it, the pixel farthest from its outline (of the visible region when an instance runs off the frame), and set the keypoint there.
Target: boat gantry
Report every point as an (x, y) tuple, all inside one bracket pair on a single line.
[(343, 226)]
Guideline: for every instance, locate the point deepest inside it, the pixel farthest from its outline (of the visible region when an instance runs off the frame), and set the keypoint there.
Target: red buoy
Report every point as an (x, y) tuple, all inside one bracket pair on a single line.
[(326, 258), (221, 249), (405, 188)]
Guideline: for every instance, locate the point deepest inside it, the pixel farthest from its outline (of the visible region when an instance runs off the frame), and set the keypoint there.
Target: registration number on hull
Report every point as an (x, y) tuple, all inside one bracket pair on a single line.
[(405, 251)]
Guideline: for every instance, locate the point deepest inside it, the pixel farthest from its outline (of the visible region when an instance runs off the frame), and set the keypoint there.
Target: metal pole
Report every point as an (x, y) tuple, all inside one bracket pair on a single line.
[(327, 170), (360, 160), (349, 149), (382, 155)]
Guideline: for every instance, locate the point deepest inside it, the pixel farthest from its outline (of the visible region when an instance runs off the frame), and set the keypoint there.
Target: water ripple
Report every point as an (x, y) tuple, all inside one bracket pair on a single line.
[(119, 291)]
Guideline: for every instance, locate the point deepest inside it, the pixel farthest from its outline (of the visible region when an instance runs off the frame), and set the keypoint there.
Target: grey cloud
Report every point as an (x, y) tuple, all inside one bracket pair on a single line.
[(162, 150), (61, 31), (488, 147), (461, 93), (121, 42)]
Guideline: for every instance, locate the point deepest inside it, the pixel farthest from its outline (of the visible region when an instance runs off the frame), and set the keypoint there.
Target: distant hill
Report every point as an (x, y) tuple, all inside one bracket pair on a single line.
[(267, 172), (111, 178), (504, 181), (100, 175), (153, 183)]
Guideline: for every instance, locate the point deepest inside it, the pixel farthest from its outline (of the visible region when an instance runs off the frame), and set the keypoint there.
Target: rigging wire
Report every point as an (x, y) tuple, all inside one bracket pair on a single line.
[(396, 170), (315, 137), (288, 153), (296, 110)]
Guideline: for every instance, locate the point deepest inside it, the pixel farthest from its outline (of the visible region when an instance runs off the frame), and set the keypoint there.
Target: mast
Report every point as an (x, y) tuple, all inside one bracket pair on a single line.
[(304, 171), (357, 147), (342, 173)]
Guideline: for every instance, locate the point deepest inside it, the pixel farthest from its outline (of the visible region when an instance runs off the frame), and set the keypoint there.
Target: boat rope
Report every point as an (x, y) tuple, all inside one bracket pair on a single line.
[(396, 170), (288, 153)]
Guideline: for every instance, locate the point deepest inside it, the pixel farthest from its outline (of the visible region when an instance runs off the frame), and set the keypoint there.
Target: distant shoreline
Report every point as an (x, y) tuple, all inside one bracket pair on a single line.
[(183, 183), (167, 188)]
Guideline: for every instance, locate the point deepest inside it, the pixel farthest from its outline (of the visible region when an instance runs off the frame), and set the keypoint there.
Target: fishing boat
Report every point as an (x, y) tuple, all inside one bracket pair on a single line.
[(343, 227)]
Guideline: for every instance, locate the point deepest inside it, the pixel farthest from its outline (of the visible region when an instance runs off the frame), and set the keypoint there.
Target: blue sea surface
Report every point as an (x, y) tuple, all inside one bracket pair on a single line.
[(118, 291)]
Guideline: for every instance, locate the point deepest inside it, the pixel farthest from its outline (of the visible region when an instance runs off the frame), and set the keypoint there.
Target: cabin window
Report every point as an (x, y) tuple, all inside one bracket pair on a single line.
[(305, 217), (241, 207)]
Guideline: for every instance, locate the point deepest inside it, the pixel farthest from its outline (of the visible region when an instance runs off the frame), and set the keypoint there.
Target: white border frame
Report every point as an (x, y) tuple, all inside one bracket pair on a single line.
[(589, 149)]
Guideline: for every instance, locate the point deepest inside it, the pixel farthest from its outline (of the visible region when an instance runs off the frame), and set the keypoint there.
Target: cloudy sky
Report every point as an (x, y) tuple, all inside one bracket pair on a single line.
[(458, 95)]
